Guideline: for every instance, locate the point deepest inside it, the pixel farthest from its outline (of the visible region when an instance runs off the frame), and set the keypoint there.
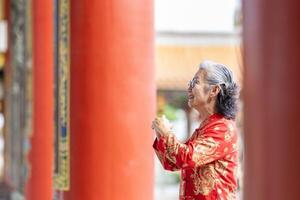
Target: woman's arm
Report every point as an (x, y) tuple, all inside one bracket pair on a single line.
[(213, 143), (167, 162)]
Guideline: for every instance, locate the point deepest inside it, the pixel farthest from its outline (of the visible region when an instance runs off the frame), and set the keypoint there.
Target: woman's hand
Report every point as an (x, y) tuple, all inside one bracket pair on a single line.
[(162, 126)]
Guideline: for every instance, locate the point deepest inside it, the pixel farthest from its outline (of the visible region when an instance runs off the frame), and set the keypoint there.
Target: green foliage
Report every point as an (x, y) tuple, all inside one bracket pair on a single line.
[(170, 112)]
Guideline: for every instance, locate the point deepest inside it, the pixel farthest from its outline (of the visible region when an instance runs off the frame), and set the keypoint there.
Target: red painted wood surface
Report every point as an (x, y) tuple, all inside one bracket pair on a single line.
[(39, 185), (112, 100), (272, 96)]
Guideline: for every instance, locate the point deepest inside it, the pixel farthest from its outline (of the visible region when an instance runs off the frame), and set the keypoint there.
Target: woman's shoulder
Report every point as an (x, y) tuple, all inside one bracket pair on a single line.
[(218, 126)]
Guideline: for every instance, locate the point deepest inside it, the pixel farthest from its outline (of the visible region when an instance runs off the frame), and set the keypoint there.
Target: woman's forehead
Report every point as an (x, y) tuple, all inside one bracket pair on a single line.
[(200, 74)]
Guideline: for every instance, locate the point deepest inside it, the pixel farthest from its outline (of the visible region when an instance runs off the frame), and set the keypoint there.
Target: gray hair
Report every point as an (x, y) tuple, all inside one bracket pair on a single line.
[(219, 74)]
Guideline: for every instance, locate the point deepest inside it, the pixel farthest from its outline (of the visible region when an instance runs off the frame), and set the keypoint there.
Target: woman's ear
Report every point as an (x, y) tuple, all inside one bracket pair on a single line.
[(215, 91)]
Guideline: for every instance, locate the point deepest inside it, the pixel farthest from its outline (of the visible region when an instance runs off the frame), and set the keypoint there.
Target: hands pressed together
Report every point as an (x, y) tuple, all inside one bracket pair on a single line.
[(161, 126)]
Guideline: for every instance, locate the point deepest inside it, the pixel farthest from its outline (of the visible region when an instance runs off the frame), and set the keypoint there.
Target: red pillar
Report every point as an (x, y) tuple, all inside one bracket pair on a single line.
[(41, 155), (272, 96), (112, 100)]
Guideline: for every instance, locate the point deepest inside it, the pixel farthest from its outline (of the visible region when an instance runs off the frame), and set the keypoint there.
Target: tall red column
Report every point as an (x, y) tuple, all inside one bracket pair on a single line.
[(112, 100), (41, 155), (272, 96)]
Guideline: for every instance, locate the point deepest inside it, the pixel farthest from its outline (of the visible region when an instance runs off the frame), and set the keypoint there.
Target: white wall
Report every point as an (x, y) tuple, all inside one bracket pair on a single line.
[(195, 15)]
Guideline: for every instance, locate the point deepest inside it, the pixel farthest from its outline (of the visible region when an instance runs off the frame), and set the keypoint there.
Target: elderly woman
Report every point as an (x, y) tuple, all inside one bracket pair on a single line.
[(208, 159)]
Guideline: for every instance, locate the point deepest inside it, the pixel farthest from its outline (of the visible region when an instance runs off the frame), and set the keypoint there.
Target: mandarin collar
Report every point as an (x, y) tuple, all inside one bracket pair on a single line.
[(210, 118)]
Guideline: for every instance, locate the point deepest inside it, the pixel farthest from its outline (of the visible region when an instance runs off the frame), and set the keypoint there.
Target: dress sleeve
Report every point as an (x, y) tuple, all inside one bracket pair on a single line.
[(214, 142), (160, 150)]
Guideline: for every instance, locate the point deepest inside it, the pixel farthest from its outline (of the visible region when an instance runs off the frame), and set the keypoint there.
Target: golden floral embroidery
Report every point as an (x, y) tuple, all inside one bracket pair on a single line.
[(203, 150), (204, 180), (180, 146), (230, 127), (170, 155), (217, 128), (230, 133), (234, 147), (231, 195), (206, 146), (221, 167), (228, 136), (219, 191), (171, 149)]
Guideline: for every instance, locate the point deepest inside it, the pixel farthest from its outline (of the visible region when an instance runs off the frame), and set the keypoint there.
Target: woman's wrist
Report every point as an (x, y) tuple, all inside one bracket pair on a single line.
[(167, 133)]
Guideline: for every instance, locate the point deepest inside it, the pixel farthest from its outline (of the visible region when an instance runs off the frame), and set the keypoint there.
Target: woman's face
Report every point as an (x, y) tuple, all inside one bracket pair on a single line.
[(198, 91)]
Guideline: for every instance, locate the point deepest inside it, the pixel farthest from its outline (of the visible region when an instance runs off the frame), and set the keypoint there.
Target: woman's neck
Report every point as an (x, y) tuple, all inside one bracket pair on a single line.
[(206, 111)]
